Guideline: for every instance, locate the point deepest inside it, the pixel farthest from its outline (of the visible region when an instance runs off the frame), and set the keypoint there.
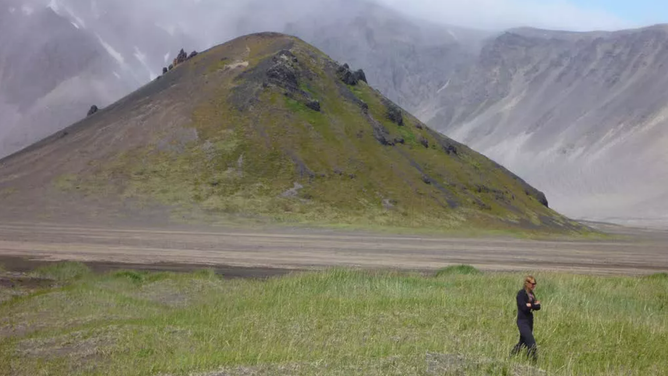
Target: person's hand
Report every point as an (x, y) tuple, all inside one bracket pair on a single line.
[(529, 305), (537, 303)]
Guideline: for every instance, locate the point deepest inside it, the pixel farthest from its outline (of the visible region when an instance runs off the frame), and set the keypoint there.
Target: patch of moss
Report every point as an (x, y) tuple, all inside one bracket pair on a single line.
[(458, 270)]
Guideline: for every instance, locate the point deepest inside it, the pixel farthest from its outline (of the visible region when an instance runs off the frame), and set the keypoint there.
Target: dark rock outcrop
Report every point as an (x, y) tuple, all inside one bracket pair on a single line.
[(283, 74), (360, 76), (180, 58), (394, 113), (449, 146), (424, 142), (313, 105), (93, 110), (164, 70), (380, 133), (192, 54), (450, 149), (285, 71), (540, 196), (347, 76)]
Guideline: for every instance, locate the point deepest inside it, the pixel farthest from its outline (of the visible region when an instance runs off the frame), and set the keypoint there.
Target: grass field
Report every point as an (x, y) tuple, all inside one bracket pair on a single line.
[(338, 322)]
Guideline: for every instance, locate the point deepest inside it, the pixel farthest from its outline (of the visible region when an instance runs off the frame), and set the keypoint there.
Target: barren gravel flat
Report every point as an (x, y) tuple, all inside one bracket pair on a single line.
[(287, 249)]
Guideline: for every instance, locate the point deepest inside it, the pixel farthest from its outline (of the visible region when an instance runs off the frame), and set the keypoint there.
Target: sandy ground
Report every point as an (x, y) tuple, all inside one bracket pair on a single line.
[(259, 252)]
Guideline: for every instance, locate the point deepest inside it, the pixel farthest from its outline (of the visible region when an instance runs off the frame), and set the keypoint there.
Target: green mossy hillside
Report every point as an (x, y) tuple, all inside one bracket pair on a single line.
[(273, 131)]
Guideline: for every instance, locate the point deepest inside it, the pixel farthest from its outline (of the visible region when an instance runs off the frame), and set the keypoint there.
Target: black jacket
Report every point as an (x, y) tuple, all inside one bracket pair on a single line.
[(524, 312)]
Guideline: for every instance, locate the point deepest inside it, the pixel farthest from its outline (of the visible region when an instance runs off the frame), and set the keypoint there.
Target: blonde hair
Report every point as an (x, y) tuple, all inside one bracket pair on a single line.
[(528, 280)]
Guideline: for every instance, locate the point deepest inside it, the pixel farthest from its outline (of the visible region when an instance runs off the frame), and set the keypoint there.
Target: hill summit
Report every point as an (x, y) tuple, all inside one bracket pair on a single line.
[(267, 126)]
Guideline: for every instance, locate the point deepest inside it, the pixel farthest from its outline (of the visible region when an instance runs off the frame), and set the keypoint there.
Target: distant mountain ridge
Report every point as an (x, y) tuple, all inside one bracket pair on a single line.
[(583, 115)]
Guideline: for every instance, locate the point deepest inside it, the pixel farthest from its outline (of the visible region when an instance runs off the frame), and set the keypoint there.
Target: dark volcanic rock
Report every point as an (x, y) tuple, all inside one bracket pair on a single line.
[(283, 73), (314, 105), (394, 113), (93, 110), (360, 76), (192, 54), (171, 66), (424, 142), (450, 149), (347, 76), (449, 146), (164, 70), (285, 56), (284, 76), (181, 57), (380, 133), (540, 196)]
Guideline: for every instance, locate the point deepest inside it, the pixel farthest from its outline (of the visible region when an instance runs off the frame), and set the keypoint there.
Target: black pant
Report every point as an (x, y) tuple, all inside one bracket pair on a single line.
[(526, 339)]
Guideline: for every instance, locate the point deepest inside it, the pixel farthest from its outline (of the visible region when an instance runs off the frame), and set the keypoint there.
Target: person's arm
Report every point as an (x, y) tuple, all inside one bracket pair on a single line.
[(536, 305), (523, 302)]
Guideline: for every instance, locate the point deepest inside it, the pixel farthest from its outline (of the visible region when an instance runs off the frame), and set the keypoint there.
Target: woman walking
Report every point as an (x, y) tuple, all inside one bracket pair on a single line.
[(526, 304)]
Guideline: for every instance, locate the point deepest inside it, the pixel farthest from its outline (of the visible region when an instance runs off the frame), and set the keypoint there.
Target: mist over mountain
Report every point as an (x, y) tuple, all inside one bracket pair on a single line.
[(57, 60), (47, 68)]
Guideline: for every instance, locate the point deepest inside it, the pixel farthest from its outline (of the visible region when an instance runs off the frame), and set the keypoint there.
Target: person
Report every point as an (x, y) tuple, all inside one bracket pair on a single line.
[(526, 304)]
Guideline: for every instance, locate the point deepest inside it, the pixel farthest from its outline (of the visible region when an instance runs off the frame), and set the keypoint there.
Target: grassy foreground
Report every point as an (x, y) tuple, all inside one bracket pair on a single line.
[(338, 322)]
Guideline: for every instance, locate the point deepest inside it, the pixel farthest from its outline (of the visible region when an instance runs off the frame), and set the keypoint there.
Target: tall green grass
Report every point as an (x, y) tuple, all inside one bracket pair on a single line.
[(338, 322), (64, 271)]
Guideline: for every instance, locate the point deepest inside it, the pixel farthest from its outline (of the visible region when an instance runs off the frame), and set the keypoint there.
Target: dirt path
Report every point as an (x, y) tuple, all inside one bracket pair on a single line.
[(305, 249)]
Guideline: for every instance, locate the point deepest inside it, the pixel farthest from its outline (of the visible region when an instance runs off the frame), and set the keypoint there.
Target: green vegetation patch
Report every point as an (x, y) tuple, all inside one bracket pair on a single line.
[(658, 276), (333, 323), (457, 270), (66, 271)]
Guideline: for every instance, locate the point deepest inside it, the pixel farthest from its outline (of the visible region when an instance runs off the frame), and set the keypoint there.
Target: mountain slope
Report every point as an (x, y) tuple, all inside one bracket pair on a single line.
[(265, 126), (408, 60), (581, 115)]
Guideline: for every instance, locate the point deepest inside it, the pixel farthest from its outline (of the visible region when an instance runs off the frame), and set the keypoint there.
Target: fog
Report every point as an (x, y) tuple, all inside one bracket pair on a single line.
[(502, 14), (211, 15), (213, 21)]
